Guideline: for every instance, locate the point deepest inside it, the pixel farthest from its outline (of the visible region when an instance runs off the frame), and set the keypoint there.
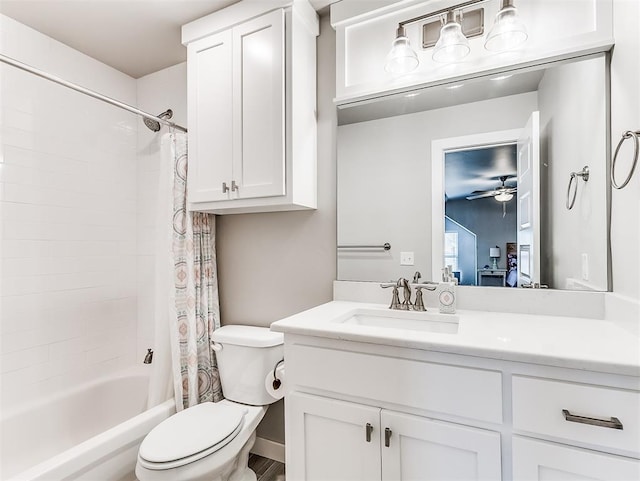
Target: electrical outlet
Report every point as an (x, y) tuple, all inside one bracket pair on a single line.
[(585, 267), (406, 258)]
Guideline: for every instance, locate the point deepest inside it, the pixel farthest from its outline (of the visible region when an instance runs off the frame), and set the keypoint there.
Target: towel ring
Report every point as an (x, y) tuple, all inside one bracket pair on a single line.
[(629, 134), (571, 198)]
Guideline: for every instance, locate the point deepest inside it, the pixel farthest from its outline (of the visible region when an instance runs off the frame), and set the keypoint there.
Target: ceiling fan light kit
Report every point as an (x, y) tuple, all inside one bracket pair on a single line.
[(501, 194)]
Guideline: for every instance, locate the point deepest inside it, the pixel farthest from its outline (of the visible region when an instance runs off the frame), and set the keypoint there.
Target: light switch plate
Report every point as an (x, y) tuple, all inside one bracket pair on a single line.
[(406, 258)]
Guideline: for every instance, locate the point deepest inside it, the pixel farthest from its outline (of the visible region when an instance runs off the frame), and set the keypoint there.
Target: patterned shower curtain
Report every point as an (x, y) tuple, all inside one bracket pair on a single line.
[(197, 311)]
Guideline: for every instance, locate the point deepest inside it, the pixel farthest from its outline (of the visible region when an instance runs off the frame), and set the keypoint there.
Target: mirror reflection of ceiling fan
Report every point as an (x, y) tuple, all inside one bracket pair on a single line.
[(503, 193)]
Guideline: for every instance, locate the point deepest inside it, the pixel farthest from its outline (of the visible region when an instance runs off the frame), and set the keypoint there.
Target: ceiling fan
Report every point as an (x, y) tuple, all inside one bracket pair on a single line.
[(501, 194)]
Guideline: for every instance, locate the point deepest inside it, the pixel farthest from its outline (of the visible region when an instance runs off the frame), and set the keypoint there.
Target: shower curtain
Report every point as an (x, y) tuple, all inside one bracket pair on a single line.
[(186, 276)]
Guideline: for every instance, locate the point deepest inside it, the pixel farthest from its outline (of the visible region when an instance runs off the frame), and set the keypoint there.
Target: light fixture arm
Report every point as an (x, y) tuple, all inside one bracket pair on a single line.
[(442, 11)]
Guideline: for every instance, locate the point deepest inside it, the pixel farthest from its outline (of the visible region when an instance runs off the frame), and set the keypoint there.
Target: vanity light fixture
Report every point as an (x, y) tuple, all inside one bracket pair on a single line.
[(401, 59), (508, 31), (452, 45)]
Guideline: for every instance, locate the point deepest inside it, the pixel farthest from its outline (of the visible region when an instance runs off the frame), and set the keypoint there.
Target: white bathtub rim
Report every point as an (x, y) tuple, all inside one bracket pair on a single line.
[(97, 447), (135, 371)]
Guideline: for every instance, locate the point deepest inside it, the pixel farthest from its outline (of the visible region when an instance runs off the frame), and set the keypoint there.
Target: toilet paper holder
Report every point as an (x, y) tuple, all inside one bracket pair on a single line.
[(277, 382)]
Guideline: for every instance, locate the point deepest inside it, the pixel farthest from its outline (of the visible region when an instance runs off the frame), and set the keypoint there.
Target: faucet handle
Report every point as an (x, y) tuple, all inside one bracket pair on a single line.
[(419, 304), (395, 299), (428, 285)]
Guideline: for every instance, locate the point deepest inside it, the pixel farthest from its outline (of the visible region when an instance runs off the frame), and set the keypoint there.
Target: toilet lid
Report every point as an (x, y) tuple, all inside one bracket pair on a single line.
[(198, 429)]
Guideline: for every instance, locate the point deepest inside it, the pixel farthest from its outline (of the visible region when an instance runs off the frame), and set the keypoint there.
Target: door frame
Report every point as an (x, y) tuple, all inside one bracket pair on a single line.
[(439, 148)]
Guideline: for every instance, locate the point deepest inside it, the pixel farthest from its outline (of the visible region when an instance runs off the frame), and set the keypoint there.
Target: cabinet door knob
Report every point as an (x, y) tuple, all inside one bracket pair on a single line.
[(387, 437), (368, 429), (225, 189), (613, 423), (234, 186)]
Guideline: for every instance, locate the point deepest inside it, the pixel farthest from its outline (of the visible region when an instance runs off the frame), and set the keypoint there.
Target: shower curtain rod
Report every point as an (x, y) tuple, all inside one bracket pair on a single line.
[(90, 93)]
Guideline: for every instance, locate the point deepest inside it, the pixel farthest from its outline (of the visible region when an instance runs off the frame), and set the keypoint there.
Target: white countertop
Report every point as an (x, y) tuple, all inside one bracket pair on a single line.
[(570, 342)]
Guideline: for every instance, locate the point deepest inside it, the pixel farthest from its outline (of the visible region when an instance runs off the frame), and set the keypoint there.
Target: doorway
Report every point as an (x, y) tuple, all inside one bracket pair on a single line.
[(445, 197), (480, 186)]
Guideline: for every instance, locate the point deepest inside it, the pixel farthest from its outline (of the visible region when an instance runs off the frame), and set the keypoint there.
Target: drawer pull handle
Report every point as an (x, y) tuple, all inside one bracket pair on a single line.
[(368, 430), (613, 423), (225, 189), (387, 436)]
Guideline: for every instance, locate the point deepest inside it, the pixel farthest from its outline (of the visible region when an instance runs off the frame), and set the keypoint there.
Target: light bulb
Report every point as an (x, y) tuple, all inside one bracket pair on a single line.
[(508, 31), (504, 197), (401, 59), (452, 45)]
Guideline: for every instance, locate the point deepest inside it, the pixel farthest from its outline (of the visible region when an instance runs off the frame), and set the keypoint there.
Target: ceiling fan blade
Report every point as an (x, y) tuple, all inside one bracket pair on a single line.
[(483, 195)]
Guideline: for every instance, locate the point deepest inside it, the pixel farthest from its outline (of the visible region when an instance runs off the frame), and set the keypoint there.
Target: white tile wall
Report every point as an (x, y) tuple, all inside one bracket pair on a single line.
[(157, 92), (68, 200)]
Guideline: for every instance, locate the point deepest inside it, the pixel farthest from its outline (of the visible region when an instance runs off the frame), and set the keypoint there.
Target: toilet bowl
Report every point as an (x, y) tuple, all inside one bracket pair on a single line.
[(211, 441)]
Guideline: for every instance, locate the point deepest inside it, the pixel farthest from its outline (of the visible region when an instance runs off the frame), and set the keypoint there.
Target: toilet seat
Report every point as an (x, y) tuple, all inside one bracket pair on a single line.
[(191, 435)]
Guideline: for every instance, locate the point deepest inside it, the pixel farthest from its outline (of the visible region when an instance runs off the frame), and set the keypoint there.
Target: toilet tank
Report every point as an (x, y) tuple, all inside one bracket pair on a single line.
[(245, 355)]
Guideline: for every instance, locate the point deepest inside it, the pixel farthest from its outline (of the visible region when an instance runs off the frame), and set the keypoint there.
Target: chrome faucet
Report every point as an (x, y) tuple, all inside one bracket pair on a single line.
[(406, 304), (416, 277), (148, 358), (406, 294)]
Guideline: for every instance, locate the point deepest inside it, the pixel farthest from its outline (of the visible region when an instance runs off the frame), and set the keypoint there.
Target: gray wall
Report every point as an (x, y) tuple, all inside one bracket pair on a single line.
[(384, 179), (277, 264), (484, 218)]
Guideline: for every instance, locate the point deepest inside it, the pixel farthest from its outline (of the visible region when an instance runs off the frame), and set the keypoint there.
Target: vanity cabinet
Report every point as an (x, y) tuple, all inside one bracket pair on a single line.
[(251, 109), (367, 411), (414, 419), (544, 461), (602, 418), (337, 440)]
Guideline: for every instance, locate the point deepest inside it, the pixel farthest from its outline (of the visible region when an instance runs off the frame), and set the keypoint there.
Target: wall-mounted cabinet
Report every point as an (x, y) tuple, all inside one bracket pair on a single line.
[(251, 108), (365, 31)]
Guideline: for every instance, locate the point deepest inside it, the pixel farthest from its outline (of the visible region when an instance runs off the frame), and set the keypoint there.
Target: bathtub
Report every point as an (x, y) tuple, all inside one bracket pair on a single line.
[(89, 433)]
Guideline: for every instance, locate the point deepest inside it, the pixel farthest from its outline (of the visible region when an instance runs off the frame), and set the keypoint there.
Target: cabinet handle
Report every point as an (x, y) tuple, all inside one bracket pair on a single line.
[(234, 186), (225, 189), (368, 429), (387, 437), (613, 423)]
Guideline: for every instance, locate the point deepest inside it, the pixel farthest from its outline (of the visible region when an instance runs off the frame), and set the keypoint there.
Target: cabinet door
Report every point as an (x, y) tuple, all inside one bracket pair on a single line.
[(258, 71), (544, 461), (328, 440), (210, 113), (423, 449)]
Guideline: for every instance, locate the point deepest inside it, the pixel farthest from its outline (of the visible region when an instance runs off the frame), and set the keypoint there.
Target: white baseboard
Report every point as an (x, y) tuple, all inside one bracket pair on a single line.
[(269, 449)]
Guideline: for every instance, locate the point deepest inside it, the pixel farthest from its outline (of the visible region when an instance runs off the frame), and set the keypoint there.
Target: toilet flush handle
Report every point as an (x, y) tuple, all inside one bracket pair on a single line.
[(216, 347)]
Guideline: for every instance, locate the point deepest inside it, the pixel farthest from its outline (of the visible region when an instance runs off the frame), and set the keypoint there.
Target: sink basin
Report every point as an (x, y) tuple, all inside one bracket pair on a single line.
[(411, 320)]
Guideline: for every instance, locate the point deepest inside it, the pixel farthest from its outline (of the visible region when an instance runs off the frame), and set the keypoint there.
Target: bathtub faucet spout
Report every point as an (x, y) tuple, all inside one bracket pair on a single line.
[(148, 358)]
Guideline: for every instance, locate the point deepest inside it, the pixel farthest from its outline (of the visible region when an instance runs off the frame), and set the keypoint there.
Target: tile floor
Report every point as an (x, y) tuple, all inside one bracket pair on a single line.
[(266, 469)]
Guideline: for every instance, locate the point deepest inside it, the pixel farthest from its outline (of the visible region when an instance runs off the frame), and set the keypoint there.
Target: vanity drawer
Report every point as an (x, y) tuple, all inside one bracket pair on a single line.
[(459, 391), (570, 411)]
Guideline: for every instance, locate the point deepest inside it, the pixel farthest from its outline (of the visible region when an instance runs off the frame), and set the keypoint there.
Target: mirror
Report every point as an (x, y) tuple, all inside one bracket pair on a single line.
[(476, 174)]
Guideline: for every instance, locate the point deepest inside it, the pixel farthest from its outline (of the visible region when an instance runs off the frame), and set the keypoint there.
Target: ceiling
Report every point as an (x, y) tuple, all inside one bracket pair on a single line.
[(137, 37), (479, 169)]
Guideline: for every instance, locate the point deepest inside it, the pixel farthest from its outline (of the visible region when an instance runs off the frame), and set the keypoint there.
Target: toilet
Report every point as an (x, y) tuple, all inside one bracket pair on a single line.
[(211, 441)]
